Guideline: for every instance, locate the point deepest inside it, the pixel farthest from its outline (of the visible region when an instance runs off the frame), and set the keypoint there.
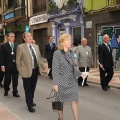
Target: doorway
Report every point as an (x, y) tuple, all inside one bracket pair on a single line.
[(76, 32), (40, 36)]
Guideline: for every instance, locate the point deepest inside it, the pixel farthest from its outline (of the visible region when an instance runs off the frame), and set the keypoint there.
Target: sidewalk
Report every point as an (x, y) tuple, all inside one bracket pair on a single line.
[(94, 77)]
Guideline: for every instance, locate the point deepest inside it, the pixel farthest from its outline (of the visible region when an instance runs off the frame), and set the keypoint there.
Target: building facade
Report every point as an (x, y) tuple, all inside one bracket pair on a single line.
[(66, 16), (102, 17), (40, 26), (15, 17)]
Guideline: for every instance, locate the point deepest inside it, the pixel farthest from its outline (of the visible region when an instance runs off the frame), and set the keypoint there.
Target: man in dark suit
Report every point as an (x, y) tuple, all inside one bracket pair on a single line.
[(8, 65), (28, 61), (1, 73), (49, 50), (105, 63)]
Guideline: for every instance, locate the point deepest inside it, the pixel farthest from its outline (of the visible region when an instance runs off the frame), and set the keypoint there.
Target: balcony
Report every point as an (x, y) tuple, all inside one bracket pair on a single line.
[(64, 9), (14, 14), (112, 2), (39, 8)]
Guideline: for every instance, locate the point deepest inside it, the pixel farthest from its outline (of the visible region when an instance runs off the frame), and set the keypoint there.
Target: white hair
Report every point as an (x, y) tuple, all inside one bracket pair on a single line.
[(83, 39)]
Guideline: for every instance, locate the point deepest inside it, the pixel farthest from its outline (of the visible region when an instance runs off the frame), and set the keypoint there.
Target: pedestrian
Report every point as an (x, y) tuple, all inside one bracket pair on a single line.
[(8, 64), (84, 59), (105, 63), (1, 73), (28, 61), (117, 53), (64, 75), (50, 47)]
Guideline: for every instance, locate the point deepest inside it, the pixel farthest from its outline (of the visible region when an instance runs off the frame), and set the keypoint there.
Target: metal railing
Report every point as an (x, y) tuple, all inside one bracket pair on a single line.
[(39, 8), (112, 2), (18, 12)]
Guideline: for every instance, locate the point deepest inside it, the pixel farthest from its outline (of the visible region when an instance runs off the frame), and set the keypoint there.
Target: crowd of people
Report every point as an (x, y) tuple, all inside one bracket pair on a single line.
[(68, 67)]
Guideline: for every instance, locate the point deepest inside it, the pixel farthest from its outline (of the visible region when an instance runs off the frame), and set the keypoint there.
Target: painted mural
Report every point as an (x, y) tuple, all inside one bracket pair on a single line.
[(114, 33)]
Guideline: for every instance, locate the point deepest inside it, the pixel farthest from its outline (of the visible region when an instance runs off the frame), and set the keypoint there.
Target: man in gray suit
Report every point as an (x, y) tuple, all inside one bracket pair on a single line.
[(84, 59)]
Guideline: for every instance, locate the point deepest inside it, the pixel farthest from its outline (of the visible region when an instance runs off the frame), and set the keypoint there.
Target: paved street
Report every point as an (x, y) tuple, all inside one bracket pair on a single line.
[(94, 104)]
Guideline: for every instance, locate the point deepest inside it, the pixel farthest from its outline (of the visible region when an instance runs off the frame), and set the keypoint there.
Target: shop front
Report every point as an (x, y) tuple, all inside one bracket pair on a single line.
[(67, 17), (40, 28)]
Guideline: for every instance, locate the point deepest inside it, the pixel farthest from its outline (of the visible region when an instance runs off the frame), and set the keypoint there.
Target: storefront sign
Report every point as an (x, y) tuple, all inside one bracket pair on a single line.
[(38, 19), (88, 24), (8, 16)]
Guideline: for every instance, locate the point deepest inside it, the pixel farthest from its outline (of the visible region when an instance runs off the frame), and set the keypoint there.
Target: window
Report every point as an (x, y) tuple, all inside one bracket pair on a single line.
[(39, 6), (10, 3), (77, 35)]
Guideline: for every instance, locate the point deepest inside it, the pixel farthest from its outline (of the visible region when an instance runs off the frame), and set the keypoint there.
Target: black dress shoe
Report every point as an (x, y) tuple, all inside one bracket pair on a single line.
[(1, 85), (105, 89), (86, 84), (6, 94), (108, 87), (51, 77), (79, 84), (16, 95), (31, 109), (34, 104)]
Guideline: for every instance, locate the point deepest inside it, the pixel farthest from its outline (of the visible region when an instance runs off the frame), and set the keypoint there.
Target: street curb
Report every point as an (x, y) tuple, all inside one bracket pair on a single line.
[(99, 84)]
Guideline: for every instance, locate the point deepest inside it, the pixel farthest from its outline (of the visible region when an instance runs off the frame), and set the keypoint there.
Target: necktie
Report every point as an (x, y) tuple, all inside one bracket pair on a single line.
[(108, 47), (12, 46), (34, 57), (51, 45)]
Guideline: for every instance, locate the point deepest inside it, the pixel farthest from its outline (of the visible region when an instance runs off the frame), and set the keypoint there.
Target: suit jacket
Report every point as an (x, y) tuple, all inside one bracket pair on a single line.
[(105, 57), (24, 60), (48, 51), (64, 71), (0, 55), (84, 56), (6, 56)]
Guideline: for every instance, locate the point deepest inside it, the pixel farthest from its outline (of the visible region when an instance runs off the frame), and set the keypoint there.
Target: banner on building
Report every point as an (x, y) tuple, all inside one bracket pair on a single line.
[(38, 19)]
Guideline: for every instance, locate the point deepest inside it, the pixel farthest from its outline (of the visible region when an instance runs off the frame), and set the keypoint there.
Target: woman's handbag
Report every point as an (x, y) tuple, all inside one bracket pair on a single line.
[(56, 105)]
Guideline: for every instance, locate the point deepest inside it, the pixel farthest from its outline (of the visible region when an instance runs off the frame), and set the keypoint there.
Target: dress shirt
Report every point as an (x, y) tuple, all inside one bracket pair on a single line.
[(107, 46), (51, 45)]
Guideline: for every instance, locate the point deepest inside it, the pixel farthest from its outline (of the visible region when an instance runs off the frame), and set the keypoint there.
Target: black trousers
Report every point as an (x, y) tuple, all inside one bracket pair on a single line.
[(80, 79), (106, 76), (1, 76), (29, 85), (11, 74), (50, 66)]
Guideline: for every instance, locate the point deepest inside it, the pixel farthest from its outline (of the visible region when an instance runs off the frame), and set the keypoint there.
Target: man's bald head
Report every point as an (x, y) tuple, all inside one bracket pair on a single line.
[(106, 38), (84, 41)]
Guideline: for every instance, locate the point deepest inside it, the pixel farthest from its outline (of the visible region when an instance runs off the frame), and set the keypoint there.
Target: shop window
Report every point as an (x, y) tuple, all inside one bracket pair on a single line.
[(77, 35)]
